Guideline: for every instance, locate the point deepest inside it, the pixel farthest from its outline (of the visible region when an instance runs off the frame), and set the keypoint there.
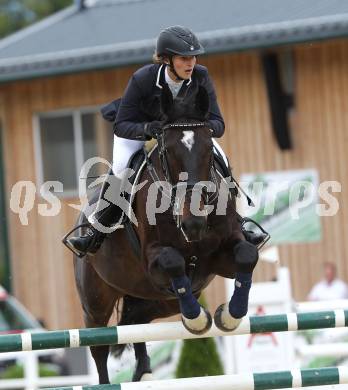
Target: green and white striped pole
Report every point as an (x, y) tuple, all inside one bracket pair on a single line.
[(125, 334), (261, 381)]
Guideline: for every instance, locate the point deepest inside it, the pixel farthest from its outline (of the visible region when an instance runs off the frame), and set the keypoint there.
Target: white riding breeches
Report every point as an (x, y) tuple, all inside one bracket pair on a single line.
[(122, 152), (124, 148)]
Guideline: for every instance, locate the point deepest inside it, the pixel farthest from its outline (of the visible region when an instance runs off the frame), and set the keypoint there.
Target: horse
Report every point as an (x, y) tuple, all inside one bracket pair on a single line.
[(182, 252)]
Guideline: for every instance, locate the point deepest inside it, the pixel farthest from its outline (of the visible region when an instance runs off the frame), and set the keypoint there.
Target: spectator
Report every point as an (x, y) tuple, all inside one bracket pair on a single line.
[(330, 287)]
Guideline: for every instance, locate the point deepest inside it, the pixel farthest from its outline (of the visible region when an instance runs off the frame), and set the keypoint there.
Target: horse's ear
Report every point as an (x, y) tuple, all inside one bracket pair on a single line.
[(202, 102), (166, 99)]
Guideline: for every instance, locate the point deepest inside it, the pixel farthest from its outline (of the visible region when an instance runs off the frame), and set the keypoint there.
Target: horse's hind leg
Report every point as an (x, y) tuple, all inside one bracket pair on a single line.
[(98, 301), (143, 370), (100, 355), (136, 311), (100, 318), (140, 311)]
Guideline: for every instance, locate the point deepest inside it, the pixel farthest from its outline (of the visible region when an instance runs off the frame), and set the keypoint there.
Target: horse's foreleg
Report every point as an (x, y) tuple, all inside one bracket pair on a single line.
[(194, 317), (229, 315)]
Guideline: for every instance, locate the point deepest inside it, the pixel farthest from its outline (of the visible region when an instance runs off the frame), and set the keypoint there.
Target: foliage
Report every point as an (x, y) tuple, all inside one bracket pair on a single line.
[(199, 357), (16, 371), (323, 361), (16, 14), (309, 335)]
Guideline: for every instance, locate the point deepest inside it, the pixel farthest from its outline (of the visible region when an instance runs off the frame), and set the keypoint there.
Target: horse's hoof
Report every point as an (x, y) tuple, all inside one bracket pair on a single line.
[(223, 319), (142, 370), (200, 324), (146, 377), (140, 376)]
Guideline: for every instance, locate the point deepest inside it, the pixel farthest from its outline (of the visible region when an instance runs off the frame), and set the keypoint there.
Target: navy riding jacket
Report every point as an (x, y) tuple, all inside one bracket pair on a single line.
[(141, 101)]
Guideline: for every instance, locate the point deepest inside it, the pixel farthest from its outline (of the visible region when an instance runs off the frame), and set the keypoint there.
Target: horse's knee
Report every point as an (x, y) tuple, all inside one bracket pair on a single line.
[(245, 255), (172, 262)]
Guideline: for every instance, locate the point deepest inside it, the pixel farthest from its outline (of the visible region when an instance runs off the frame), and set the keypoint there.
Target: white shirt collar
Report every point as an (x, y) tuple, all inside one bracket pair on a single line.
[(158, 78), (169, 80)]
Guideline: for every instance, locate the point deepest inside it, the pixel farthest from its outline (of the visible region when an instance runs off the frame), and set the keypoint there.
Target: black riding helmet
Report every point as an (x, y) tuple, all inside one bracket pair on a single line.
[(178, 40)]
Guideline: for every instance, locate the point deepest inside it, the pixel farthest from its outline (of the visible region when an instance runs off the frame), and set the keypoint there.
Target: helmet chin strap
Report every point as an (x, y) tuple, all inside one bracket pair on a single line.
[(171, 66)]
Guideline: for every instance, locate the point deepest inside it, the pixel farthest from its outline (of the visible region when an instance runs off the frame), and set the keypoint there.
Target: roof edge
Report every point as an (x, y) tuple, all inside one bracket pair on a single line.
[(337, 22), (78, 53), (217, 41), (123, 59)]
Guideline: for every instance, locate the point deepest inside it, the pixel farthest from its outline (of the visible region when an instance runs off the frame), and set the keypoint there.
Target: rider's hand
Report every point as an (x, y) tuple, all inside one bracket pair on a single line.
[(152, 129)]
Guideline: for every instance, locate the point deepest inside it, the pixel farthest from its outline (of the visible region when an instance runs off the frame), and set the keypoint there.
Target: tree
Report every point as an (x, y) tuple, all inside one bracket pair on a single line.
[(16, 14), (43, 8), (199, 357)]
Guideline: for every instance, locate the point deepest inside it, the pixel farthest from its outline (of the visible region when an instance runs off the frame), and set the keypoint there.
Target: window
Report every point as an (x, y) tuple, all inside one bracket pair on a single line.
[(65, 140)]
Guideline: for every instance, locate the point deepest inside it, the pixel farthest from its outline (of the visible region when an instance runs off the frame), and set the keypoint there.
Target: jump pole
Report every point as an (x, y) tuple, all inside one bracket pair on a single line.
[(260, 381), (125, 334)]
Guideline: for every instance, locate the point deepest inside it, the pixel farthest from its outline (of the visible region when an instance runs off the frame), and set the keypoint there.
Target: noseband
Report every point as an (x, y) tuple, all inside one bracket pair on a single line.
[(183, 186)]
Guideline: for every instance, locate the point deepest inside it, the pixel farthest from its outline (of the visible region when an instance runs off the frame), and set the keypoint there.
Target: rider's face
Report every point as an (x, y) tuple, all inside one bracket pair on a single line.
[(184, 65)]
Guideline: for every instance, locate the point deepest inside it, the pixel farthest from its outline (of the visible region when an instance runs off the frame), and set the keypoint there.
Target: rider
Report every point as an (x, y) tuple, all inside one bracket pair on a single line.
[(139, 118)]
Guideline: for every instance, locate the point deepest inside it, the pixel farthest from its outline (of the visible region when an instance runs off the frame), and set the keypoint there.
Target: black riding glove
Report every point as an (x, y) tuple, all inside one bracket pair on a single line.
[(152, 129)]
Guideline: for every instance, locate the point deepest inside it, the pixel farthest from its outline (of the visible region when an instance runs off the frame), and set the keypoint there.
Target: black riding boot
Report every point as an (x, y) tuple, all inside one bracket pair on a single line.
[(257, 238), (254, 238), (92, 238)]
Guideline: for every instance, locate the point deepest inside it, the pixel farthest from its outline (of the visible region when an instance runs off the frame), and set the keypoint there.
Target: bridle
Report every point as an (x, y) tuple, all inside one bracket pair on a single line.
[(176, 191)]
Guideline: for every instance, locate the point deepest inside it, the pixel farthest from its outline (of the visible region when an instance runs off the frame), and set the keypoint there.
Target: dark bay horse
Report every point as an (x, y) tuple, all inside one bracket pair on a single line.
[(191, 242)]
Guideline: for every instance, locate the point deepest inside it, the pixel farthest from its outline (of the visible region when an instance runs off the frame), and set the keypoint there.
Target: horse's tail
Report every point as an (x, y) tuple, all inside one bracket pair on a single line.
[(134, 311), (118, 349)]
